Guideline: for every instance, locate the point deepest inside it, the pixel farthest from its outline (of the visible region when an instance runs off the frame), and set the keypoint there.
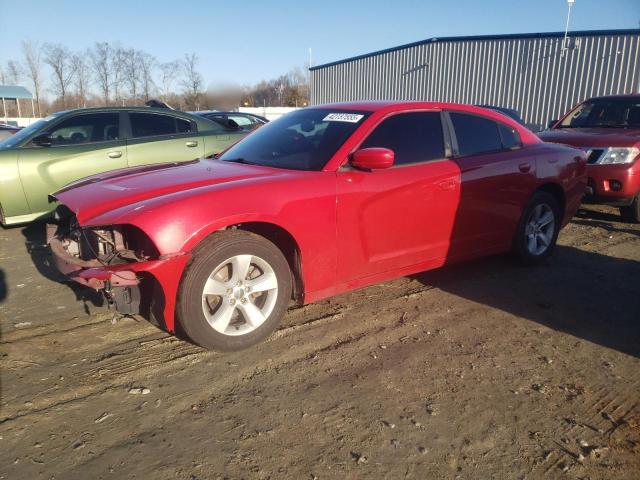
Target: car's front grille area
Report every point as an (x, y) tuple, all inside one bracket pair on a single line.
[(594, 154)]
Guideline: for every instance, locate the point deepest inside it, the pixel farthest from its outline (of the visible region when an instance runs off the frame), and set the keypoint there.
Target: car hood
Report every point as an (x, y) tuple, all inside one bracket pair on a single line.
[(593, 137), (98, 194)]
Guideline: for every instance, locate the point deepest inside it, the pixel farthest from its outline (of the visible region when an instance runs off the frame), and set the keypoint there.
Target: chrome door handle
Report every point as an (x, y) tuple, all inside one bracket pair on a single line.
[(191, 144), (524, 167), (117, 154)]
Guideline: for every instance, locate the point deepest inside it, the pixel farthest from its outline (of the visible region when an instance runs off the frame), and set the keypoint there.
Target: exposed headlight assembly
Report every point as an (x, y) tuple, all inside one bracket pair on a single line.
[(615, 155)]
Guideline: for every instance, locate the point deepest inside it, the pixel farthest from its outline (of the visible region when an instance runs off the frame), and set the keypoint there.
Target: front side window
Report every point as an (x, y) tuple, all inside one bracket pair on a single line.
[(151, 125), (88, 128), (604, 113), (414, 137), (475, 135), (302, 140)]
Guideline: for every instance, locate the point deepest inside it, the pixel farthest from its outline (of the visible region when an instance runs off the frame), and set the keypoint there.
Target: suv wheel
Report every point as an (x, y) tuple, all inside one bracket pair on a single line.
[(632, 212), (235, 291)]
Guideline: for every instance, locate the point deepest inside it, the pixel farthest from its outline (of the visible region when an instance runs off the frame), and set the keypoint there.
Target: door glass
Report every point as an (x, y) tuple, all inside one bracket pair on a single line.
[(184, 126), (475, 134), (510, 137), (150, 125), (240, 120), (414, 137), (89, 128)]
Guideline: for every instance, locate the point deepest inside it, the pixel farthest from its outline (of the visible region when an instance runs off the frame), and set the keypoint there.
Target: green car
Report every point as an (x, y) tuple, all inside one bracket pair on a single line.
[(70, 145)]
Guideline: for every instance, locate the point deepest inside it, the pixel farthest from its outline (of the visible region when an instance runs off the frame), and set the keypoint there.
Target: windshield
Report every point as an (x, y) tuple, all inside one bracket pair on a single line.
[(302, 140), (14, 140), (605, 113)]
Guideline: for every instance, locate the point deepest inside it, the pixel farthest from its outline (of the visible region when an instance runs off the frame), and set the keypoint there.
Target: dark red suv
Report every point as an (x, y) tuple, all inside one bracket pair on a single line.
[(608, 128)]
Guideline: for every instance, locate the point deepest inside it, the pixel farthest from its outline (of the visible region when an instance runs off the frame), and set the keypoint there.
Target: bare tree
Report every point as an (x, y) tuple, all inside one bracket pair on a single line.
[(192, 81), (58, 57), (33, 63), (118, 65), (13, 73), (101, 62), (169, 73), (81, 77), (131, 70), (147, 64)]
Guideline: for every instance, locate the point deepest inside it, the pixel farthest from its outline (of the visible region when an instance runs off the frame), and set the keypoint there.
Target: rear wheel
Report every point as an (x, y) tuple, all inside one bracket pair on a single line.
[(538, 228), (235, 291), (632, 212)]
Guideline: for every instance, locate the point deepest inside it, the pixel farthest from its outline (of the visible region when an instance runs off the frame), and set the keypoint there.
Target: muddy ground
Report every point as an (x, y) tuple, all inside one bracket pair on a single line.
[(482, 370)]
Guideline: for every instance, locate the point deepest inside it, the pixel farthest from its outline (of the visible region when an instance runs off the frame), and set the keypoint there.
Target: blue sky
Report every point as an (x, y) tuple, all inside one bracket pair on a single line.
[(245, 41)]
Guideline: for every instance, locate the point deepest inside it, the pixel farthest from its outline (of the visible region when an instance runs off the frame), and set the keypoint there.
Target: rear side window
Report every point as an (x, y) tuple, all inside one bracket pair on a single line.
[(475, 134), (510, 137), (88, 128), (414, 137), (150, 125)]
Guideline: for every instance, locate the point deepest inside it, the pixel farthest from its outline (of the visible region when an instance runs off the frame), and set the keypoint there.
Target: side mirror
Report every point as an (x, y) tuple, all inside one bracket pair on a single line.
[(552, 123), (43, 140), (373, 158)]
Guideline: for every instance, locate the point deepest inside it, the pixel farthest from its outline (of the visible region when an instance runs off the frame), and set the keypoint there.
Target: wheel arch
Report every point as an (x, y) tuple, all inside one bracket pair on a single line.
[(558, 193), (282, 239)]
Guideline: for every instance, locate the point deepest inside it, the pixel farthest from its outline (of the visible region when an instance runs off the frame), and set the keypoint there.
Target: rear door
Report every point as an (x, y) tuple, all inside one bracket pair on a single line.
[(82, 145), (160, 138), (498, 176)]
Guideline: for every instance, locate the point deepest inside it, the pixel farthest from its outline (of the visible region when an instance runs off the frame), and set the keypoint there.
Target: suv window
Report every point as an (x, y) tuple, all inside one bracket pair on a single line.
[(414, 137), (151, 124), (475, 134), (87, 128)]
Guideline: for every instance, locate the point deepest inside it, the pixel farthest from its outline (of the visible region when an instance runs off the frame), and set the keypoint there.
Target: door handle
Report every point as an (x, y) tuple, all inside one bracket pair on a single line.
[(116, 154), (191, 143), (524, 167)]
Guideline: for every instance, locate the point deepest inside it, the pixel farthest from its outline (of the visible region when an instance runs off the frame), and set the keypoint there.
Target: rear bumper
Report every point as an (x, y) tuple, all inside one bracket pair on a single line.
[(613, 184)]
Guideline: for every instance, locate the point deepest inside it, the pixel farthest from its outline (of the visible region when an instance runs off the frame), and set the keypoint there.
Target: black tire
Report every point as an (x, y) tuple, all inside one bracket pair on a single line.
[(521, 239), (215, 250), (632, 212)]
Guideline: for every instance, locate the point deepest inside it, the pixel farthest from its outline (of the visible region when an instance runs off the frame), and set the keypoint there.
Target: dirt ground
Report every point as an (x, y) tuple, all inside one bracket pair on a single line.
[(482, 370)]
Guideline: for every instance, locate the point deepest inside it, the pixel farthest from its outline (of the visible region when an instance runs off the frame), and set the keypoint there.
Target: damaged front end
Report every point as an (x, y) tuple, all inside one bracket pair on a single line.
[(111, 258)]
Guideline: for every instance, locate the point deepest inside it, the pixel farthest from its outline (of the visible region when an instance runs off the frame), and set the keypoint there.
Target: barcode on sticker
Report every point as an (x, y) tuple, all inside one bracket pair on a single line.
[(343, 117)]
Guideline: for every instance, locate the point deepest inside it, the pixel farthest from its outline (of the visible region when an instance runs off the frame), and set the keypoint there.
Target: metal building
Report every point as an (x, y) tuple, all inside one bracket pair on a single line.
[(539, 74)]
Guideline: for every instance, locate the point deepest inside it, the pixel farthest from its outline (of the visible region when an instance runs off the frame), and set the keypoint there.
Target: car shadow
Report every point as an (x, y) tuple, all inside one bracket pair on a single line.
[(36, 245), (583, 294), (3, 286), (606, 221)]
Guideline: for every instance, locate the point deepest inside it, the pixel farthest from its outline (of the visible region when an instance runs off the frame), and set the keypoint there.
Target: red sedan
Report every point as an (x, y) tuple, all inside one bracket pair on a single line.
[(322, 201)]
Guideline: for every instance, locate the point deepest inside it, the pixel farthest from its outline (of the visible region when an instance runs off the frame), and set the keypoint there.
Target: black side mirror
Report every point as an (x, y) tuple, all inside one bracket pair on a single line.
[(552, 123), (43, 140)]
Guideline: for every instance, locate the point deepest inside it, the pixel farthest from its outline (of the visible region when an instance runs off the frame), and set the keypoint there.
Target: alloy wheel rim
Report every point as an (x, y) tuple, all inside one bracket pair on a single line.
[(239, 295), (539, 229)]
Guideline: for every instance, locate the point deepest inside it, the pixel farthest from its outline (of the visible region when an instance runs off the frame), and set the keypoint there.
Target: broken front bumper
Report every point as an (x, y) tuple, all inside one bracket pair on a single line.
[(147, 287)]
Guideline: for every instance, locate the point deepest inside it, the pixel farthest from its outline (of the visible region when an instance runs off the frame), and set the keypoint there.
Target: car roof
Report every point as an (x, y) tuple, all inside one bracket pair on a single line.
[(618, 96), (125, 109)]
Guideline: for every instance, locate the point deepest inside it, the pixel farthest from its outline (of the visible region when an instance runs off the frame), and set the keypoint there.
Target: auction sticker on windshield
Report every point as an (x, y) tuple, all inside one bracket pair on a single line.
[(343, 117)]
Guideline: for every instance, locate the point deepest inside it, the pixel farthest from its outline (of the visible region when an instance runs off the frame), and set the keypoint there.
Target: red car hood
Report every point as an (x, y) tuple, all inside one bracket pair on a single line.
[(593, 137), (104, 192)]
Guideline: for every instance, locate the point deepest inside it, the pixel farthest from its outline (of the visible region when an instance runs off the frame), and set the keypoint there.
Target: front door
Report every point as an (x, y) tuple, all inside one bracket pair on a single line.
[(81, 145), (401, 216)]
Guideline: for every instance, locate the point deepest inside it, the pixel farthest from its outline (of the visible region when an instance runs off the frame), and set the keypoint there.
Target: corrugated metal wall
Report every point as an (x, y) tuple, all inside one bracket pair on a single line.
[(533, 75)]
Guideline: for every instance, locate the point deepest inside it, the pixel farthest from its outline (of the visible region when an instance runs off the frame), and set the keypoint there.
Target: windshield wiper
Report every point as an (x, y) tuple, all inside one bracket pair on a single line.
[(238, 160)]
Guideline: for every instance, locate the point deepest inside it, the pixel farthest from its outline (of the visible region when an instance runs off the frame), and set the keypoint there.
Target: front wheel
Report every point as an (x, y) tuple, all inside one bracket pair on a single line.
[(632, 212), (538, 228), (234, 292)]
